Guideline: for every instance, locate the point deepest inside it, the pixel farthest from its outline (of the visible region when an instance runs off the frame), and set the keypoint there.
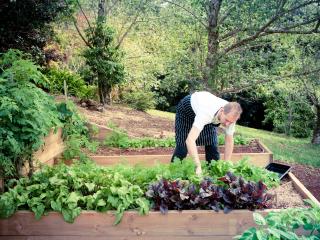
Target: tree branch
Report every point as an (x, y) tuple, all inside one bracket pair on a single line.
[(226, 15), (269, 79), (77, 28), (188, 11), (120, 40), (230, 34), (262, 31), (85, 16), (111, 7), (287, 29)]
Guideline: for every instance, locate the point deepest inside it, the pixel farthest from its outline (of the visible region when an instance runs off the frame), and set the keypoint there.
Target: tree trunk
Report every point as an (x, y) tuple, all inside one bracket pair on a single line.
[(316, 130), (213, 44), (102, 11)]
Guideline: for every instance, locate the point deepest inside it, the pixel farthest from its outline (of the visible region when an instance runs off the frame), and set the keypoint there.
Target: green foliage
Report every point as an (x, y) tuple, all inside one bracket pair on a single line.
[(70, 189), (286, 224), (140, 100), (103, 59), (25, 25), (75, 132), (86, 186), (26, 113), (289, 111), (237, 140), (246, 170), (120, 139), (76, 86)]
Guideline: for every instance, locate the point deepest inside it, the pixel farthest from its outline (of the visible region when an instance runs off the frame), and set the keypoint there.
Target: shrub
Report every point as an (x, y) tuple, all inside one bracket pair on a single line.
[(76, 86), (75, 132), (27, 113), (140, 100)]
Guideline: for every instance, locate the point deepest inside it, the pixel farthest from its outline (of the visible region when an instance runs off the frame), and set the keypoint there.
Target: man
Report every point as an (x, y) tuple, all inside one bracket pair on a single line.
[(197, 117)]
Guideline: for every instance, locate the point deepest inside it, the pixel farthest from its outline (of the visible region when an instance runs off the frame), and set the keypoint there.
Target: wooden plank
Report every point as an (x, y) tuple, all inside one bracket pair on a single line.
[(257, 159), (102, 132), (49, 152), (53, 146), (305, 193), (185, 223), (115, 238)]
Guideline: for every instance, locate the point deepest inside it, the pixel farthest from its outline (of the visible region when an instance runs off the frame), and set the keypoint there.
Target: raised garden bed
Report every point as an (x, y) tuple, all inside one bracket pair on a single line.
[(51, 149), (257, 152), (191, 224)]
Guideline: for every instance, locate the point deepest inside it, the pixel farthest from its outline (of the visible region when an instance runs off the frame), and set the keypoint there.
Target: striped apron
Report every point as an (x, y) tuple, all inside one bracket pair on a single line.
[(183, 124)]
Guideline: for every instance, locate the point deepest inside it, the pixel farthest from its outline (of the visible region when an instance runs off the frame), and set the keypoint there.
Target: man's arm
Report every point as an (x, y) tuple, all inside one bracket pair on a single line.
[(228, 146), (192, 147)]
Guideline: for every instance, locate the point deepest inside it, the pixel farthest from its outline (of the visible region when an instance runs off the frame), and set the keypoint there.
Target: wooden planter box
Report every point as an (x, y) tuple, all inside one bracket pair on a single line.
[(259, 159), (51, 149), (102, 132), (185, 225)]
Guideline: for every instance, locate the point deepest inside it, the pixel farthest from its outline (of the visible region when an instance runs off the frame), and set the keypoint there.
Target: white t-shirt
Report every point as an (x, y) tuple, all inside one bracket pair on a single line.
[(206, 105)]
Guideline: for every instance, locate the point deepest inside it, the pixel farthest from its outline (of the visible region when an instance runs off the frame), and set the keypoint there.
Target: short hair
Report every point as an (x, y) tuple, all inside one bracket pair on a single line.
[(233, 107)]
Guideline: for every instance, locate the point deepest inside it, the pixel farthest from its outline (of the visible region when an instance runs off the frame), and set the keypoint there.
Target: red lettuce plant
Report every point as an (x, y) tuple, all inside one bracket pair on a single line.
[(182, 195)]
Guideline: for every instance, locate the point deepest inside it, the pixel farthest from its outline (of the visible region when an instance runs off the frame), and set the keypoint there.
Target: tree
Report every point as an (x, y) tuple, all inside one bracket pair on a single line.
[(25, 25), (235, 27)]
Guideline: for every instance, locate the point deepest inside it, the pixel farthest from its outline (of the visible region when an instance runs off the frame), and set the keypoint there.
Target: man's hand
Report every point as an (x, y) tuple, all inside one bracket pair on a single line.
[(228, 147), (199, 171)]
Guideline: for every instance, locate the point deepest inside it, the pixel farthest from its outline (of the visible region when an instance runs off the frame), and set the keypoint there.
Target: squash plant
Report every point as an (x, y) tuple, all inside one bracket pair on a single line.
[(288, 224)]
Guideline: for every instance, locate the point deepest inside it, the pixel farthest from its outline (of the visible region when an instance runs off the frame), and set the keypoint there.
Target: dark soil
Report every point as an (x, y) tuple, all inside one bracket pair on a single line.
[(309, 176), (252, 147)]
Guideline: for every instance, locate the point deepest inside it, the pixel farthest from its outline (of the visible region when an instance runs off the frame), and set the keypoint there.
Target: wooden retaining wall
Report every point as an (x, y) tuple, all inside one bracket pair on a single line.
[(102, 131), (184, 225), (51, 149), (258, 159)]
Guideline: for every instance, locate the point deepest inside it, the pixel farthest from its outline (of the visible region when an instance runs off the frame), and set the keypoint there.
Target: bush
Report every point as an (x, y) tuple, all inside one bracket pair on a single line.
[(76, 86), (289, 112), (140, 100)]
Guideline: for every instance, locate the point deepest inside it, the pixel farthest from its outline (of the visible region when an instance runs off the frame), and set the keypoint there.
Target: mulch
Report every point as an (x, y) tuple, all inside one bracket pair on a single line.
[(309, 176)]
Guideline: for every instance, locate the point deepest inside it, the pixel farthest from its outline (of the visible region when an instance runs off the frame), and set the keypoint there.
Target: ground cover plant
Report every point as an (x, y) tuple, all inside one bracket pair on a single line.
[(286, 224), (86, 186)]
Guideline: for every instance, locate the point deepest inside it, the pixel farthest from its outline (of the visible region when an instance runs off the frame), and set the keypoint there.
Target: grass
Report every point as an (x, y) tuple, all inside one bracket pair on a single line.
[(284, 148)]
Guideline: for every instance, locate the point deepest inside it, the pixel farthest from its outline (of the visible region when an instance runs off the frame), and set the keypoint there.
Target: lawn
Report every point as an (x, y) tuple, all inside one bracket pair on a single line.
[(284, 148)]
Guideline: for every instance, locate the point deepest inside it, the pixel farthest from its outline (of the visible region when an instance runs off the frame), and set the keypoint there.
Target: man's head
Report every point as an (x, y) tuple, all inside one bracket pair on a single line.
[(230, 113)]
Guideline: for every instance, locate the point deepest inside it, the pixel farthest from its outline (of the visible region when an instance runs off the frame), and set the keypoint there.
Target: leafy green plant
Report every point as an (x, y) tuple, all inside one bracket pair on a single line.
[(237, 139), (70, 189), (26, 113), (76, 86), (180, 195), (140, 100), (246, 170), (120, 139), (75, 132), (86, 186), (286, 224)]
